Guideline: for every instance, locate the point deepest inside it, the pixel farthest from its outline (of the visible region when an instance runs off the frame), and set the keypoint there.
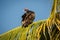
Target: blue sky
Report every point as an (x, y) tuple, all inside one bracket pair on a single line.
[(12, 10)]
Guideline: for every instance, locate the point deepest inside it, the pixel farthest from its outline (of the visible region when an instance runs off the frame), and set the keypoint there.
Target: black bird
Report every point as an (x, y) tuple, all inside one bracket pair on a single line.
[(27, 18)]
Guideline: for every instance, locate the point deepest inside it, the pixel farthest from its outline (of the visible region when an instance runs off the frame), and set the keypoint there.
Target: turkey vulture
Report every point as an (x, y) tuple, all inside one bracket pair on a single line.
[(27, 17)]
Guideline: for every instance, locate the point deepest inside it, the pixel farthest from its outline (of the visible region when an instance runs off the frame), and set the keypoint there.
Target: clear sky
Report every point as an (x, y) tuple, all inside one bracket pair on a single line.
[(12, 10)]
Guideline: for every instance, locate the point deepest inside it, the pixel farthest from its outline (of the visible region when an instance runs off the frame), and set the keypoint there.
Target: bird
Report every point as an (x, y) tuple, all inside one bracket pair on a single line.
[(28, 17)]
